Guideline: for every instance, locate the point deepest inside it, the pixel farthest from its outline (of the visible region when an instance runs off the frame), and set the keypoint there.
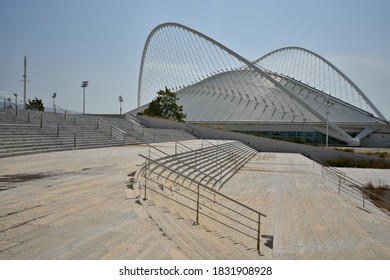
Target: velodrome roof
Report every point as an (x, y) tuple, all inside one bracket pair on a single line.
[(215, 84), (205, 101)]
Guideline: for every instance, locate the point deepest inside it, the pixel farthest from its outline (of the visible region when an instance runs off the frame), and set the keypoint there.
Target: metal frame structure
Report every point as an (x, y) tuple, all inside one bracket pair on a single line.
[(200, 61), (333, 67)]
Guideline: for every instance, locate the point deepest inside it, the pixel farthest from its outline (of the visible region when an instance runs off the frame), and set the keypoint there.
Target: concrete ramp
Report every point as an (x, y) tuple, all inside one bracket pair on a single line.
[(306, 218)]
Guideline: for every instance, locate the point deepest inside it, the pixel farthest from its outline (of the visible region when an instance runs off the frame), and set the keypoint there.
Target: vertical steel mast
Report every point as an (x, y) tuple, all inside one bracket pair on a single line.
[(25, 81)]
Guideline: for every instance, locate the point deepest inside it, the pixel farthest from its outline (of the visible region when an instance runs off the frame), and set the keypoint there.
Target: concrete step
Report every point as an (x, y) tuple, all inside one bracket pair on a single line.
[(24, 134), (193, 239)]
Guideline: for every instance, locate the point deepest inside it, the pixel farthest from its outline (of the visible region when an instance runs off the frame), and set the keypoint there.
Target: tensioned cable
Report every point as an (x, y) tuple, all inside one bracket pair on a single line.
[(318, 73), (179, 40)]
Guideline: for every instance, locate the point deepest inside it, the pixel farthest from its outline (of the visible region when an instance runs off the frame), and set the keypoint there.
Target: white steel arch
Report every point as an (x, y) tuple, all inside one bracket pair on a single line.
[(314, 70), (177, 57)]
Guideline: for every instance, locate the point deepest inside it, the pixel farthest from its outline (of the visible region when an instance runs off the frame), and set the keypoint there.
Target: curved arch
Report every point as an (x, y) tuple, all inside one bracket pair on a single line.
[(244, 64), (332, 66)]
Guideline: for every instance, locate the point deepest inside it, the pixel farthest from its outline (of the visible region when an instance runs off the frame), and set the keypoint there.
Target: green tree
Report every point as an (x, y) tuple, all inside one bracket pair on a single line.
[(35, 105), (165, 106)]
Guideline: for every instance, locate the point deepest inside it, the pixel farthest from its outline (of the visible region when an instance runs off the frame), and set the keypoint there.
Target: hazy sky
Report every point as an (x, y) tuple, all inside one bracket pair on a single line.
[(69, 41)]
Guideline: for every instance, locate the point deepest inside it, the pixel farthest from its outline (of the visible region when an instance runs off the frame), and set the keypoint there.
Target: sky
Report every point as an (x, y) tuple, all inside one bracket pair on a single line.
[(69, 41)]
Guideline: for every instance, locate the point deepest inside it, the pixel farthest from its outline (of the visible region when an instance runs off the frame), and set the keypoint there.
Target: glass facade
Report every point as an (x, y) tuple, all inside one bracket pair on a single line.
[(315, 138)]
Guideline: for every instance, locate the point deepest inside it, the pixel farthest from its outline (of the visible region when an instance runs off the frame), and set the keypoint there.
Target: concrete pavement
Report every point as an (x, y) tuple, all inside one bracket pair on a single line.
[(75, 205)]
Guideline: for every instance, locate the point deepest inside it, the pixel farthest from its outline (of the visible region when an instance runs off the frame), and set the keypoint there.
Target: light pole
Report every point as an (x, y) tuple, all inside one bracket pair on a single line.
[(84, 84), (327, 130), (54, 104), (120, 99), (16, 103), (328, 104)]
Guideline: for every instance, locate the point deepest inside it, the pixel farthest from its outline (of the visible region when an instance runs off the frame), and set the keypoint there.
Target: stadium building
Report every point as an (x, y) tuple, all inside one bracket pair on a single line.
[(291, 92)]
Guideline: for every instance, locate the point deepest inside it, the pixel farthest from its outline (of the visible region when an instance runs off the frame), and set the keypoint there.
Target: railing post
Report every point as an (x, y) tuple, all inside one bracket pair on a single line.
[(74, 139), (110, 130), (196, 159), (339, 184), (197, 206), (58, 130), (146, 177), (258, 234), (65, 115), (363, 197), (41, 119), (28, 117)]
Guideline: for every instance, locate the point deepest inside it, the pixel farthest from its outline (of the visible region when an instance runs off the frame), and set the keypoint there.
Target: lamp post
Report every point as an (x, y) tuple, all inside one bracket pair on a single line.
[(328, 104), (54, 105), (16, 103), (84, 84), (327, 130), (120, 99)]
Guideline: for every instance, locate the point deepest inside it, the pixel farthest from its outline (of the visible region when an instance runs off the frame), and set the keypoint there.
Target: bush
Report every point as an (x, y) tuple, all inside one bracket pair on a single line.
[(35, 105), (165, 106)]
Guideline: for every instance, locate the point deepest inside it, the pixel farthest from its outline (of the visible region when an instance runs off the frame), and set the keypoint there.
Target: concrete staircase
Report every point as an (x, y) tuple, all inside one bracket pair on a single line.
[(133, 127), (35, 132)]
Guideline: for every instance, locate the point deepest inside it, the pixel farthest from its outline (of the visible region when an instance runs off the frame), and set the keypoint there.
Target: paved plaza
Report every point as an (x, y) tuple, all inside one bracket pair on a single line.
[(75, 205)]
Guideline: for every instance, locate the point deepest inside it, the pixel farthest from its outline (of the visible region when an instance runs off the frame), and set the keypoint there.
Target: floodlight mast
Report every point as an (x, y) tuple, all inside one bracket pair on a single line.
[(54, 105), (25, 81), (84, 84), (120, 99)]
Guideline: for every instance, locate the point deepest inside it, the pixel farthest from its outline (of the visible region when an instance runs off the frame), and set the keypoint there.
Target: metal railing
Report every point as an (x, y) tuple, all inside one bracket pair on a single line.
[(136, 126), (222, 172), (62, 126), (352, 188), (190, 168), (112, 129), (226, 211), (247, 224), (9, 104), (61, 129), (44, 120)]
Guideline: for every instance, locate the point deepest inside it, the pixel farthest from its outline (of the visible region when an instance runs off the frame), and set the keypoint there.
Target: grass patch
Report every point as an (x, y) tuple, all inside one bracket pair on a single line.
[(382, 154), (348, 150), (344, 162)]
